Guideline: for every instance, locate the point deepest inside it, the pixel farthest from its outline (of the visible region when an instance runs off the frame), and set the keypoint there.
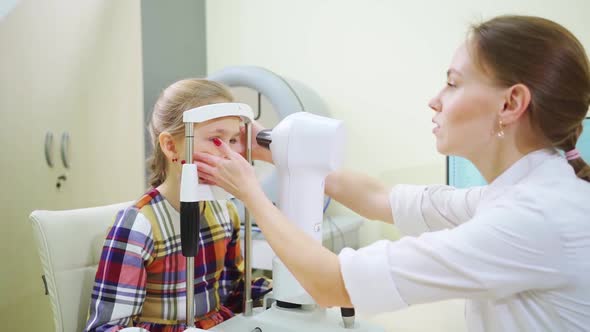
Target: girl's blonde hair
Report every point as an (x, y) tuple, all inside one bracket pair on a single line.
[(167, 116)]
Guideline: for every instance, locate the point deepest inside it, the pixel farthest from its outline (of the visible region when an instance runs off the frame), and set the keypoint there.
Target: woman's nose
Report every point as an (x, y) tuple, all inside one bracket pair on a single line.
[(435, 104)]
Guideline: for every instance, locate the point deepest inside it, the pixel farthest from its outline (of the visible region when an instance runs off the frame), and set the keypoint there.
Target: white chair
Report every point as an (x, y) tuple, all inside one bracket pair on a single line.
[(69, 244)]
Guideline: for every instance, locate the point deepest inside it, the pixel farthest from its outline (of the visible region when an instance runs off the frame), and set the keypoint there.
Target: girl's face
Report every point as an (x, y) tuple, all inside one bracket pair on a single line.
[(227, 129), (467, 109)]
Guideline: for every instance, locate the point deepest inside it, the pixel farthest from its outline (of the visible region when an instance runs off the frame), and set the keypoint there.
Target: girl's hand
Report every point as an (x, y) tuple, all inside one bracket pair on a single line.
[(229, 171)]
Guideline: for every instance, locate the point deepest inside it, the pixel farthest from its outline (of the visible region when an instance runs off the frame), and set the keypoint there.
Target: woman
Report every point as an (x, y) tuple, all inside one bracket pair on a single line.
[(517, 91), (141, 277)]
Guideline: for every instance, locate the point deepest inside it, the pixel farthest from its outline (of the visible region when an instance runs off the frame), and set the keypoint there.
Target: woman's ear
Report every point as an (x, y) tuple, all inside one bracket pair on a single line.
[(517, 101), (168, 145)]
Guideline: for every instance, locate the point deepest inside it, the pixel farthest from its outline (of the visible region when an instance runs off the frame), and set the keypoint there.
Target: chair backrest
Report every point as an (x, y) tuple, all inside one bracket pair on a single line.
[(461, 173), (69, 244)]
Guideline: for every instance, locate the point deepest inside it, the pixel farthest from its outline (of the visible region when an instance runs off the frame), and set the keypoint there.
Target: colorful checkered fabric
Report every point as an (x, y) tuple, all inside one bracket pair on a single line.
[(141, 277)]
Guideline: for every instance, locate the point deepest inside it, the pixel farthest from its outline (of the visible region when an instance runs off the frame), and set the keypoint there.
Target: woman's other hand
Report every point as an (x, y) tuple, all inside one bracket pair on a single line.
[(258, 152)]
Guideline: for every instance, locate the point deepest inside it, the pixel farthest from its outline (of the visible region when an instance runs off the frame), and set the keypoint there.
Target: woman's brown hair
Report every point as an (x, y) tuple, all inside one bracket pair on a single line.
[(551, 62), (167, 116)]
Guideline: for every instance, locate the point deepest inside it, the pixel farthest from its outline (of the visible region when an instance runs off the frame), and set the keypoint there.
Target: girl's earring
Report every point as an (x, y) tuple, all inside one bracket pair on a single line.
[(500, 133)]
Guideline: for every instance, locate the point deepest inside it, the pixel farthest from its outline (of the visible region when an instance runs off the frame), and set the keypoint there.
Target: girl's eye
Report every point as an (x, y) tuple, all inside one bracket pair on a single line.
[(233, 141), (451, 84)]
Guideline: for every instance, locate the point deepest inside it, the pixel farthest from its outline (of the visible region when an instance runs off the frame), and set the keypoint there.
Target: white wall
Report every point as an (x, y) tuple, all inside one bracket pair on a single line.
[(375, 63), (65, 65)]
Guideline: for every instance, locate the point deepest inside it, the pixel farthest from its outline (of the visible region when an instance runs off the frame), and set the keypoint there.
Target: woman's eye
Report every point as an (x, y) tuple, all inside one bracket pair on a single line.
[(233, 141), (451, 84)]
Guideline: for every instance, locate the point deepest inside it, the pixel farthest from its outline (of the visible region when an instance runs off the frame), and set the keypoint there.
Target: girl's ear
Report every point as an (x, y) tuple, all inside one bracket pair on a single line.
[(168, 145)]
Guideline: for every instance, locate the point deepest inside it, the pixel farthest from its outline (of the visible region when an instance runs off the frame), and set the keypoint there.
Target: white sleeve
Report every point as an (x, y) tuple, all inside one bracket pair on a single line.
[(419, 209), (494, 255), (367, 279)]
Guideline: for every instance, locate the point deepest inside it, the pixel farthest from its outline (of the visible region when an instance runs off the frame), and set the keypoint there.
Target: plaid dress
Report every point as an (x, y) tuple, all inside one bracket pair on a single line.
[(141, 277)]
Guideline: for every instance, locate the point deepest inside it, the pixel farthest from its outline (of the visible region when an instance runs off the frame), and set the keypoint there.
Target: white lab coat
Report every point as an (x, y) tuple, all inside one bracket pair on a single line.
[(518, 250)]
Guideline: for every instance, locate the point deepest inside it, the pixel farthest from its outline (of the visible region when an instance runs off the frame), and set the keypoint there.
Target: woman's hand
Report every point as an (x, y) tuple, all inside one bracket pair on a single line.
[(230, 171)]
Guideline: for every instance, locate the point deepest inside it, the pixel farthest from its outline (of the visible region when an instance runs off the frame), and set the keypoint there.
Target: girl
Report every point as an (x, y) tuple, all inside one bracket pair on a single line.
[(140, 280)]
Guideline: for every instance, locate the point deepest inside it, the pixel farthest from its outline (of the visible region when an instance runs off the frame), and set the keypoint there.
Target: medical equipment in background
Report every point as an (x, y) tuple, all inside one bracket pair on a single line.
[(299, 136), (277, 98), (285, 97), (305, 148), (284, 100)]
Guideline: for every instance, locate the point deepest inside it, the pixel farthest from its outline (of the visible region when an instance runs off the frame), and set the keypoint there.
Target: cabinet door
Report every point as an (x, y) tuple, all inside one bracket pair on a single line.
[(65, 66)]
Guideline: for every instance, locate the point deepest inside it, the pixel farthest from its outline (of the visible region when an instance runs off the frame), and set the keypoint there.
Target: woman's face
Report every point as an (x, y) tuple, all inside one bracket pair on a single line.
[(467, 108), (227, 129)]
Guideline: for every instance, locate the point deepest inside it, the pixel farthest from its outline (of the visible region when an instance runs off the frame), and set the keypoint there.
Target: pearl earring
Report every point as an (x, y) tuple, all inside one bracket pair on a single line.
[(500, 133)]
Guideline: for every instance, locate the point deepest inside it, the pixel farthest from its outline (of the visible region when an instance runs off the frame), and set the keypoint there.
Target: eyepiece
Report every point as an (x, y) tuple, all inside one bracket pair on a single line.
[(264, 138)]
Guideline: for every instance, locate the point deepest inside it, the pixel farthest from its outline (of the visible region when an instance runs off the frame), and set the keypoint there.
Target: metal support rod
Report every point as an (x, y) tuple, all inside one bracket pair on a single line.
[(247, 301), (190, 261), (190, 292)]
